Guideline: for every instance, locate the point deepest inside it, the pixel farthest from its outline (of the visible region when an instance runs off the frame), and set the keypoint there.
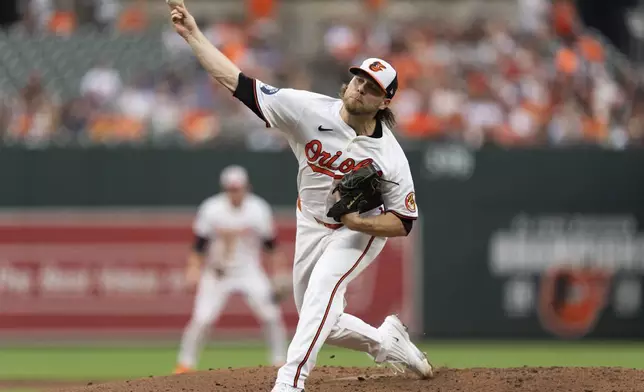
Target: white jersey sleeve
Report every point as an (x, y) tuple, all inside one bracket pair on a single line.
[(265, 222), (400, 198), (203, 223), (281, 108)]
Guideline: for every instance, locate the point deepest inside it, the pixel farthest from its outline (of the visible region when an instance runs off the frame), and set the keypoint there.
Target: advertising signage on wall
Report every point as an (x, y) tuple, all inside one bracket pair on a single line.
[(95, 273), (533, 243)]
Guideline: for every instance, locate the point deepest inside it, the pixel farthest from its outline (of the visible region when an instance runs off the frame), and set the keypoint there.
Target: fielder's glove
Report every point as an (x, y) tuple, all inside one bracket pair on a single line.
[(282, 287), (359, 191)]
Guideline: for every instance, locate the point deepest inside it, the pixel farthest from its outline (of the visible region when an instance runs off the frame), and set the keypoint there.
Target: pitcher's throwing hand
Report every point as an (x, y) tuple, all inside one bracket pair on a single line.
[(183, 22)]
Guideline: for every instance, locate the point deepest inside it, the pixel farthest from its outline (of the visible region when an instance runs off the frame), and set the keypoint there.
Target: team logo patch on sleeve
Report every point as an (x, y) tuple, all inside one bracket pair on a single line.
[(269, 90), (410, 201)]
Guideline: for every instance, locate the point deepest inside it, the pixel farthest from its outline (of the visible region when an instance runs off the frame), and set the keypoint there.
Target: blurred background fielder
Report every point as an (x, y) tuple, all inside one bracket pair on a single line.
[(230, 229)]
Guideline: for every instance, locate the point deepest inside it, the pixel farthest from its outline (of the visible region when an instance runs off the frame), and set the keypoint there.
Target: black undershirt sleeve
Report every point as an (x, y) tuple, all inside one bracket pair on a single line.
[(200, 244), (245, 93), (270, 244), (408, 223)]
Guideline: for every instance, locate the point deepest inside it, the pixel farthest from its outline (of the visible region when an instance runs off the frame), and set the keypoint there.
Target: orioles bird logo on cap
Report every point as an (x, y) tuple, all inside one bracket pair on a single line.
[(377, 66)]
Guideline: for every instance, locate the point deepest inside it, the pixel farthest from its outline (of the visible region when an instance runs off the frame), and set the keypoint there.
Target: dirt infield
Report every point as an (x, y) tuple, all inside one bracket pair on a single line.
[(332, 379)]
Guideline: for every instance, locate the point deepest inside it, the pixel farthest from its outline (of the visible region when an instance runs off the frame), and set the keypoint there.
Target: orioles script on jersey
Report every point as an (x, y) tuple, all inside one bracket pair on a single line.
[(321, 161), (326, 156)]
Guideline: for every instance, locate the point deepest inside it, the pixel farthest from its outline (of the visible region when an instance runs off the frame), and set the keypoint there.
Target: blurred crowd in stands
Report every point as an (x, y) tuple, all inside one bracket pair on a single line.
[(545, 80)]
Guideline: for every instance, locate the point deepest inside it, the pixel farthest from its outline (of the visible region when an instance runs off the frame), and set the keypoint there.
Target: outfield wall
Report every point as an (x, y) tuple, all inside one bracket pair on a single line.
[(522, 243)]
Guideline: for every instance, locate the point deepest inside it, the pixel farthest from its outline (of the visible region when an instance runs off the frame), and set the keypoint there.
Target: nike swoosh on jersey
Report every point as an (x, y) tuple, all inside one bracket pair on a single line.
[(321, 129)]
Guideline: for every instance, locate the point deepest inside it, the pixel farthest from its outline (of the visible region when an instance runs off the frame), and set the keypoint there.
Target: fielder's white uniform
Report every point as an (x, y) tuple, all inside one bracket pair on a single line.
[(243, 273), (327, 255)]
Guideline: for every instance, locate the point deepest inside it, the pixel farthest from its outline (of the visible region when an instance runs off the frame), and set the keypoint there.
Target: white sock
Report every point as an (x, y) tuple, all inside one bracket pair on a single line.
[(277, 341), (352, 333), (192, 343)]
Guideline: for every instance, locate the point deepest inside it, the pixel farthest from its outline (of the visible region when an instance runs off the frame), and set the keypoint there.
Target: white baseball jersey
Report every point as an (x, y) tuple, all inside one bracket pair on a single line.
[(253, 221), (327, 149)]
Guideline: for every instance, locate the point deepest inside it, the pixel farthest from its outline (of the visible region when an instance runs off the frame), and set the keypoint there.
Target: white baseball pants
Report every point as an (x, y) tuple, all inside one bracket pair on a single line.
[(212, 294), (326, 260)]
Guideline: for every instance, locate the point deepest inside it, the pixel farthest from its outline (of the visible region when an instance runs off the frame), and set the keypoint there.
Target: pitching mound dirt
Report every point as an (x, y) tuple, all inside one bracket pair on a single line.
[(332, 379)]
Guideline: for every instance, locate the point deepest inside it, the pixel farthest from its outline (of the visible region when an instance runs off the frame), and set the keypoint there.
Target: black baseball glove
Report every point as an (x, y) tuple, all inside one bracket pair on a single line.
[(359, 191)]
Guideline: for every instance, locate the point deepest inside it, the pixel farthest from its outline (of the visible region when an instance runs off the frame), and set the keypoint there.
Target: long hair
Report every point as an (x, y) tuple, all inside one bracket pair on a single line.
[(385, 115)]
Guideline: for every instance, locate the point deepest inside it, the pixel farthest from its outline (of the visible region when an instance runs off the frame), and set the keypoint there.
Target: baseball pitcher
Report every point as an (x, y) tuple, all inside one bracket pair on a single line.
[(355, 190), (230, 230)]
